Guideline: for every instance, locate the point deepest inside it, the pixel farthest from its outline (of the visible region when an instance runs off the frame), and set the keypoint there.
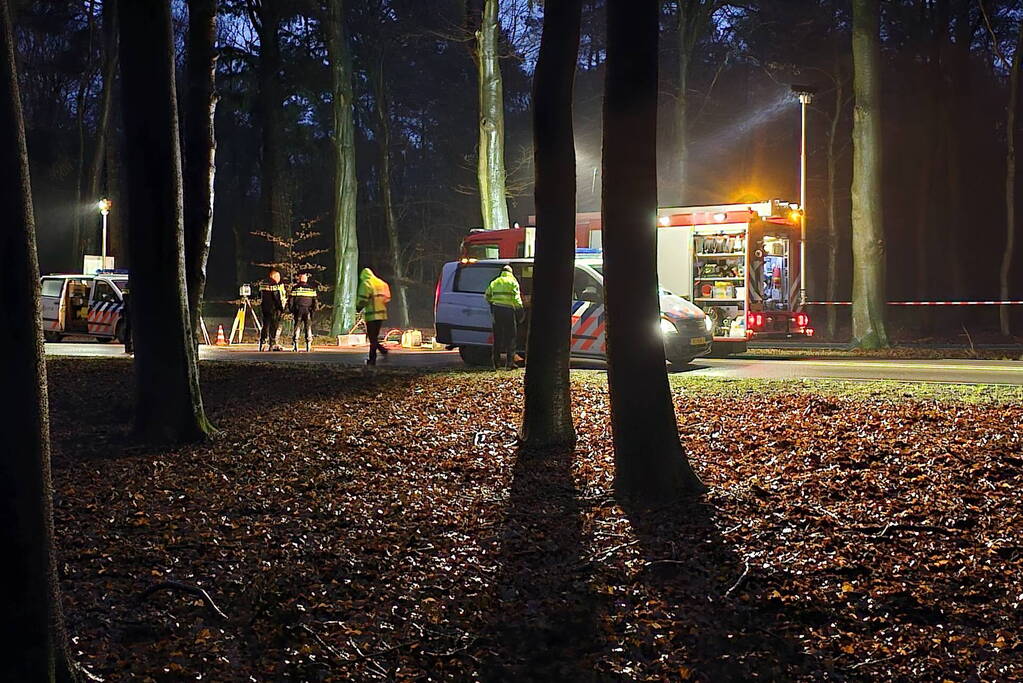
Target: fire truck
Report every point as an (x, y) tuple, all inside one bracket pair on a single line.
[(738, 262)]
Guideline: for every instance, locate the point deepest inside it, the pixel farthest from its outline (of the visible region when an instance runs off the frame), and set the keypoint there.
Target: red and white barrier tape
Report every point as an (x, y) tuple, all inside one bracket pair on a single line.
[(923, 303)]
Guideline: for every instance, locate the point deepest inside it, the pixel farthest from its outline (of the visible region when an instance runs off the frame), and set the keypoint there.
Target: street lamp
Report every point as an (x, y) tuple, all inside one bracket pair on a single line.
[(104, 208), (805, 94)]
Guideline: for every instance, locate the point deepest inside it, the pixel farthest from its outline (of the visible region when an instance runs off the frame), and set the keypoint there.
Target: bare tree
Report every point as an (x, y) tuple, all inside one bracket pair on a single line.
[(200, 148), (1004, 317), (32, 630), (650, 462), (691, 20), (80, 241), (168, 404), (105, 118), (383, 115), (868, 294), (266, 16)]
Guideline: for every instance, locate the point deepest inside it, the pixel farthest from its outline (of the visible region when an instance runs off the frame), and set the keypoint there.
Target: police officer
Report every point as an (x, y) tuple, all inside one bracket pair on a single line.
[(372, 298), (129, 337), (303, 304), (505, 303), (272, 302)]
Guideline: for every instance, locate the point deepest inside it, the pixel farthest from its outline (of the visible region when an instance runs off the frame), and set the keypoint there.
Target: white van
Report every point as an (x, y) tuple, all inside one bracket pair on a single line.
[(463, 320), (89, 305)]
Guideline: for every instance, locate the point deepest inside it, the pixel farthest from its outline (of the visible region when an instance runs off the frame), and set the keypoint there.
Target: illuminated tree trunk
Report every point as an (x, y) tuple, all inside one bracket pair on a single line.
[(168, 405), (649, 460), (1010, 185), (346, 244), (484, 24), (547, 414), (200, 147), (868, 295), (390, 221), (32, 630)]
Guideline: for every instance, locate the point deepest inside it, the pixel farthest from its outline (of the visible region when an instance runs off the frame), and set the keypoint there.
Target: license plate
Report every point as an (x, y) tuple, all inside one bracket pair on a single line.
[(698, 341)]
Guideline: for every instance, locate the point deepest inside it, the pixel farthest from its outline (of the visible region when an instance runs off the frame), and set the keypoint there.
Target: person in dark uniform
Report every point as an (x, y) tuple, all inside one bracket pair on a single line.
[(303, 304), (129, 340), (272, 303)]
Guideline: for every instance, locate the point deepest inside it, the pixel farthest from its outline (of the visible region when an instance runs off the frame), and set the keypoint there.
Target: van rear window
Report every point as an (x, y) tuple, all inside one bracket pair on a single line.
[(52, 287), (474, 279)]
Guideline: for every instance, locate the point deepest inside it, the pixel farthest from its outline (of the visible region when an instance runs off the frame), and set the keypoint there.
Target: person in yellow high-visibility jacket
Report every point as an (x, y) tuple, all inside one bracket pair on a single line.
[(372, 298), (505, 303)]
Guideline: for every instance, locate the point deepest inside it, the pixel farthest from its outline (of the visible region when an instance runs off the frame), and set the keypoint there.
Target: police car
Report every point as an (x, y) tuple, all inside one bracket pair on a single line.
[(89, 305), (462, 315)]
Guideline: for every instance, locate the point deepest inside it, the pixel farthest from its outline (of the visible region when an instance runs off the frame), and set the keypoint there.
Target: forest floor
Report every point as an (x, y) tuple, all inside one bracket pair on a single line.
[(383, 525)]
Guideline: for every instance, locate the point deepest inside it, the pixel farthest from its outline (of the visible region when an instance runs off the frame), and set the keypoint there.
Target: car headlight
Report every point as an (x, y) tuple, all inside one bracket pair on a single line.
[(708, 323), (667, 327)]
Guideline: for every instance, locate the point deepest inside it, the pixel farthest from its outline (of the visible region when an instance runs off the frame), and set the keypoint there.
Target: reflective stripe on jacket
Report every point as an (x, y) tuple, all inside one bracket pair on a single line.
[(372, 296), (303, 296), (273, 296), (504, 291)]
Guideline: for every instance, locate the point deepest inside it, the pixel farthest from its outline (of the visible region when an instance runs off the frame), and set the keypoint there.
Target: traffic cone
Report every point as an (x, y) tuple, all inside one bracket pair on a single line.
[(221, 340)]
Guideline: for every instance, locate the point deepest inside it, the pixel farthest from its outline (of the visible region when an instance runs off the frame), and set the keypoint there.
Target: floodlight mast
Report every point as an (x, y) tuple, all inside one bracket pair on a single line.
[(104, 208), (805, 94)]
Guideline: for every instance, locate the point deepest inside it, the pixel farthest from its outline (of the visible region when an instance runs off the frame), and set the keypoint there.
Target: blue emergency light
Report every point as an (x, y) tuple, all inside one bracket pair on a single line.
[(112, 271), (588, 250)]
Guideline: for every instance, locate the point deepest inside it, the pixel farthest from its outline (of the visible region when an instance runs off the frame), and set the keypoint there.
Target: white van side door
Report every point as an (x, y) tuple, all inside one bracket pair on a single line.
[(51, 301), (462, 306)]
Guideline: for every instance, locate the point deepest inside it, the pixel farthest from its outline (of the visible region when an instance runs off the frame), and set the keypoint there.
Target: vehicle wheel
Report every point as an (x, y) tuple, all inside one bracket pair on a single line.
[(680, 362), (106, 340), (52, 337), (477, 356)]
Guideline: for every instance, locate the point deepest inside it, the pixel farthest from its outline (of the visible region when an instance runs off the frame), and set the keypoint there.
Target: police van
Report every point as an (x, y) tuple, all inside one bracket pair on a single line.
[(89, 305), (463, 320)]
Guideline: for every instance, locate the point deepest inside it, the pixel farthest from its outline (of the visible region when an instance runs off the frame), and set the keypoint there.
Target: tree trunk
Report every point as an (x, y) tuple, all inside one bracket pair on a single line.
[(32, 630), (390, 222), (168, 405), (116, 149), (682, 122), (95, 172), (200, 148), (547, 413), (240, 230), (868, 295), (483, 21), (276, 215), (833, 234), (1010, 186), (346, 239), (649, 460)]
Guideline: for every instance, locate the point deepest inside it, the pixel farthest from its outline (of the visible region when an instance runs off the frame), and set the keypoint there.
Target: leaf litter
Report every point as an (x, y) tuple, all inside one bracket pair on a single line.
[(384, 526)]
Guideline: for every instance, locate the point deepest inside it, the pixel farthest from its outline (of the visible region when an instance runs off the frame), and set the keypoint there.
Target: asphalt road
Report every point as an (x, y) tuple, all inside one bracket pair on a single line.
[(946, 371)]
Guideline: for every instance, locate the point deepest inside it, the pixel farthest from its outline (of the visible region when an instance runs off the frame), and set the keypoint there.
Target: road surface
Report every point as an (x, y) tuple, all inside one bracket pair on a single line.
[(947, 371)]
